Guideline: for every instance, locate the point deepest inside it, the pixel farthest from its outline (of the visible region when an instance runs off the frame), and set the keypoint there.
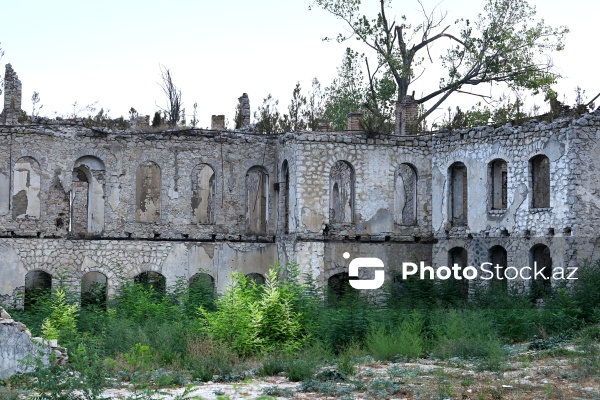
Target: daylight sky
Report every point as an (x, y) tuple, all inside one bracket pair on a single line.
[(110, 51)]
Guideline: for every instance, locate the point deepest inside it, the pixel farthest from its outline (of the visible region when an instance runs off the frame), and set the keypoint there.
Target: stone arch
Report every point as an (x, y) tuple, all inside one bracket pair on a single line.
[(540, 259), (458, 194), (148, 192), (94, 289), (256, 277), (284, 189), (26, 188), (155, 280), (203, 194), (498, 257), (341, 189), (539, 175), (405, 195), (201, 289), (257, 200), (87, 196), (338, 286), (37, 283), (458, 288), (203, 279), (498, 184)]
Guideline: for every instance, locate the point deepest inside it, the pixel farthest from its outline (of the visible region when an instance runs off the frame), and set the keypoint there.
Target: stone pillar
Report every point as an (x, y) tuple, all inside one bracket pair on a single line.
[(245, 110), (354, 121), (217, 122), (407, 114), (12, 97)]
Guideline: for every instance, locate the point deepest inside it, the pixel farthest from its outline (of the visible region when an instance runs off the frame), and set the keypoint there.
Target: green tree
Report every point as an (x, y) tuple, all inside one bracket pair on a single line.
[(297, 111), (268, 119), (346, 93), (505, 44)]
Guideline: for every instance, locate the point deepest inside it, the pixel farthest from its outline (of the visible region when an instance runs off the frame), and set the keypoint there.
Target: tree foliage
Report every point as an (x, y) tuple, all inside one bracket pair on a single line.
[(504, 44), (346, 93), (268, 119)]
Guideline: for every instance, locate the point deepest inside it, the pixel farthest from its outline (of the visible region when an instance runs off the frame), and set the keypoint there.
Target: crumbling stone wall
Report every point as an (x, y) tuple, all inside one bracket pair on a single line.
[(183, 202), (12, 97), (19, 352), (559, 216)]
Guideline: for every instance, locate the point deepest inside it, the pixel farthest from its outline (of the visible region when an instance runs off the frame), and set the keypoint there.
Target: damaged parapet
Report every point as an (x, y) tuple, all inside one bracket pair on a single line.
[(244, 107), (354, 121), (407, 115), (19, 352), (217, 122), (12, 97)]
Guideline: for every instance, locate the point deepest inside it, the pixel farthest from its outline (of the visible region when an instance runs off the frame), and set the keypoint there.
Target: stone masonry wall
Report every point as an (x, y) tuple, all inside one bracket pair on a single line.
[(79, 198), (19, 352)]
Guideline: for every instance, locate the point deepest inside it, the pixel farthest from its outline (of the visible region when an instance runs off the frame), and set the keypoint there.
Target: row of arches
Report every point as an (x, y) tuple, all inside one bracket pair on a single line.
[(458, 204), (539, 255), (94, 285), (86, 200)]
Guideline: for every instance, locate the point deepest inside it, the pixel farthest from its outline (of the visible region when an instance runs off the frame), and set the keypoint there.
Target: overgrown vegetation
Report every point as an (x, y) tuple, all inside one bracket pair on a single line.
[(147, 339)]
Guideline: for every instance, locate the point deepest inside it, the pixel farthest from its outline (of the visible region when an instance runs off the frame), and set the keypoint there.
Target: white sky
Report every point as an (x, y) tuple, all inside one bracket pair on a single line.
[(110, 51)]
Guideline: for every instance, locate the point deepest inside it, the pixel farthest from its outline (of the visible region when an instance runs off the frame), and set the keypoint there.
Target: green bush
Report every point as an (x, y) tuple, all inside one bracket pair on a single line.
[(465, 334), (405, 340), (254, 318), (585, 291), (61, 324)]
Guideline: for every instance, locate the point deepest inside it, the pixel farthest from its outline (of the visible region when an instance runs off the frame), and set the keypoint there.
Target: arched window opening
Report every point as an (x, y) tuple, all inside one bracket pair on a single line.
[(148, 188), (341, 189), (26, 188), (202, 290), (256, 277), (94, 286), (405, 195), (499, 260), (285, 197), (458, 201), (338, 287), (498, 178), (38, 286), (87, 196), (457, 289), (540, 261), (203, 194), (257, 183), (540, 181), (153, 280)]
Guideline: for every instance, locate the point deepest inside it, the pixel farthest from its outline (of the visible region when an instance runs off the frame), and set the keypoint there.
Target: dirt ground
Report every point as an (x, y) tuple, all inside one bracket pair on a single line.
[(559, 373)]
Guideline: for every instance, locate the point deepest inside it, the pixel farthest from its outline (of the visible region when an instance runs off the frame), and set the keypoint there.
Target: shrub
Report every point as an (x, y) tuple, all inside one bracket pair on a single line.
[(585, 291), (405, 340), (465, 334), (252, 318), (61, 324)]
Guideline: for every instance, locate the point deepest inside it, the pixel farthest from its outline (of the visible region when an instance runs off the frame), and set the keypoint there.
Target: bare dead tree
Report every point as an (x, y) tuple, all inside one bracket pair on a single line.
[(173, 95)]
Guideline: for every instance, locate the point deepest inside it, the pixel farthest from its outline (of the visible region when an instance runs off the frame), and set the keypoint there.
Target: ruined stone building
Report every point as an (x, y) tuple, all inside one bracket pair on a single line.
[(105, 203)]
